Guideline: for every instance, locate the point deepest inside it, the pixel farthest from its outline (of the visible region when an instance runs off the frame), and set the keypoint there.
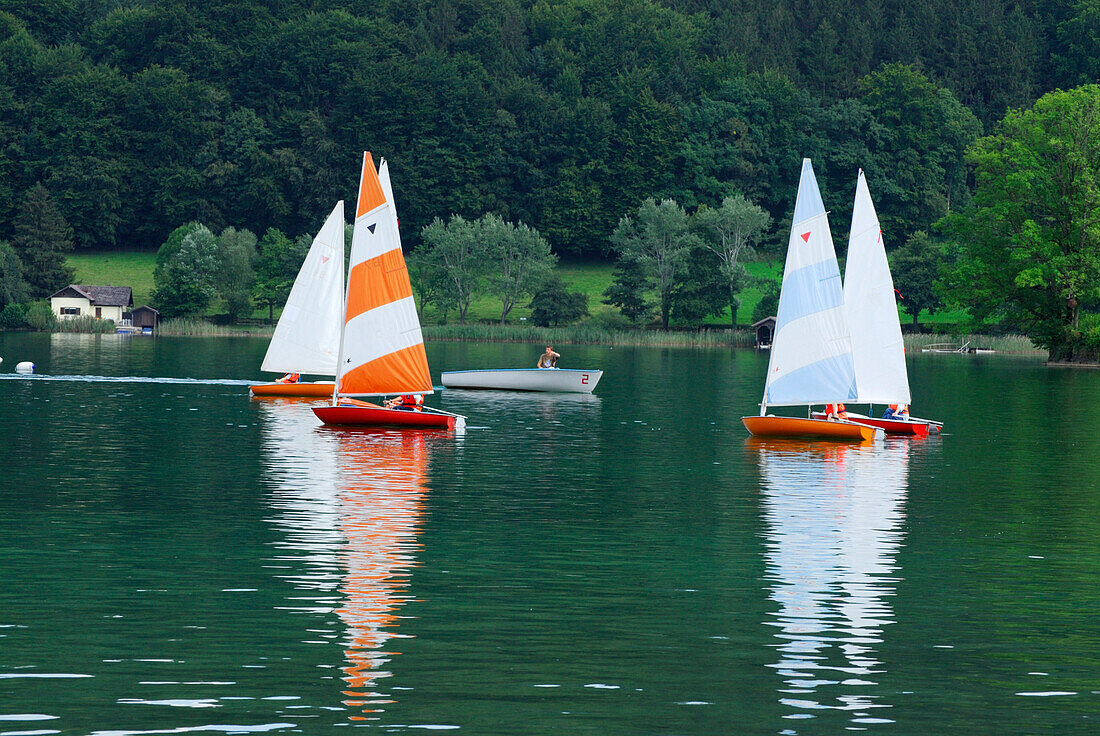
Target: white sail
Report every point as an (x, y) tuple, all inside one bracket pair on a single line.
[(877, 345), (387, 189), (307, 338), (811, 356)]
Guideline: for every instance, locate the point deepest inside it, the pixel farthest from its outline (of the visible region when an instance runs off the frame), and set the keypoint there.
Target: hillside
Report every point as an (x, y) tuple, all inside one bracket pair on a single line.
[(142, 116)]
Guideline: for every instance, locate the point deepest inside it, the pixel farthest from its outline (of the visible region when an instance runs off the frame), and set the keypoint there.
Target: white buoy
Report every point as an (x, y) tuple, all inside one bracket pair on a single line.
[(25, 367)]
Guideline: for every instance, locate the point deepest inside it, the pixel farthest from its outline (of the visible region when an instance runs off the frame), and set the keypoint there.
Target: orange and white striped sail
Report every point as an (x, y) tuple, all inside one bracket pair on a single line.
[(383, 348)]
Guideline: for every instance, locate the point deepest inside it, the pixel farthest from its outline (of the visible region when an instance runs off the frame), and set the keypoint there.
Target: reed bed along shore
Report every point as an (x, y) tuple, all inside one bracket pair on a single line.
[(588, 334), (584, 334), (194, 327), (1007, 344), (84, 323)]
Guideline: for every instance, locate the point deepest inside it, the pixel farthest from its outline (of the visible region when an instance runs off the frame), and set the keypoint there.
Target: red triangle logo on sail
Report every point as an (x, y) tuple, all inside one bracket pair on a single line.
[(324, 259), (805, 237)]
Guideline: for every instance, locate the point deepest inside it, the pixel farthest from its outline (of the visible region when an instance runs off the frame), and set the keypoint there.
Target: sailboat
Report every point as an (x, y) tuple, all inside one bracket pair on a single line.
[(877, 346), (811, 359), (381, 350), (307, 337)]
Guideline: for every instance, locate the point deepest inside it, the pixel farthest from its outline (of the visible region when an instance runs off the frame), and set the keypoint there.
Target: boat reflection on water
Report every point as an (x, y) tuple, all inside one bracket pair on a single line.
[(833, 514), (381, 504), (349, 503)]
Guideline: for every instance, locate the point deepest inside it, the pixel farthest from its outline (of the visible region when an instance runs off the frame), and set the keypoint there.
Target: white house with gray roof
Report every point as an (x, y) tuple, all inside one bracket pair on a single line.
[(101, 302)]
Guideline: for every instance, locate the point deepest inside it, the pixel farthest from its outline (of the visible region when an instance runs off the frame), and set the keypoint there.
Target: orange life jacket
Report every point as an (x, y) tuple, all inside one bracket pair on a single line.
[(408, 401), (837, 409), (290, 378)]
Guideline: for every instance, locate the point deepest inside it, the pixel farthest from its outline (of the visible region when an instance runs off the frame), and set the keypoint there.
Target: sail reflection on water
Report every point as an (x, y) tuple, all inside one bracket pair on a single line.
[(349, 504), (301, 465), (381, 503), (834, 515)]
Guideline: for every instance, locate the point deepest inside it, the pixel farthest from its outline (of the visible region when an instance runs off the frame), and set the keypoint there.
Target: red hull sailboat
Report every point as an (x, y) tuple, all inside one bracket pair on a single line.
[(381, 348)]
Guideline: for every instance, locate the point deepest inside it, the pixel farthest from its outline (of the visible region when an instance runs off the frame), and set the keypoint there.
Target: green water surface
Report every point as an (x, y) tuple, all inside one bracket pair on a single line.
[(176, 557)]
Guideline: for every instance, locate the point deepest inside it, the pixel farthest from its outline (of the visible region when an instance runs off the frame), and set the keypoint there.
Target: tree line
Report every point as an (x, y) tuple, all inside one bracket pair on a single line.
[(141, 115), (1023, 253), (561, 117)]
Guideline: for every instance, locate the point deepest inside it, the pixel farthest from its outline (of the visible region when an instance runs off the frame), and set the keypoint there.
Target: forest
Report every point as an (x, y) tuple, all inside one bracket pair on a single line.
[(563, 115)]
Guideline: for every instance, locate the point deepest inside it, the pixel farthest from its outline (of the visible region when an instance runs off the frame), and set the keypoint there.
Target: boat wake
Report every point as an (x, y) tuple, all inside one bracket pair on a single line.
[(127, 379)]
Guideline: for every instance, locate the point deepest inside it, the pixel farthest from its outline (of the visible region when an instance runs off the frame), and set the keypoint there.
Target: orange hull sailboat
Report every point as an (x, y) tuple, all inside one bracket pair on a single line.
[(320, 389), (772, 426), (811, 358)]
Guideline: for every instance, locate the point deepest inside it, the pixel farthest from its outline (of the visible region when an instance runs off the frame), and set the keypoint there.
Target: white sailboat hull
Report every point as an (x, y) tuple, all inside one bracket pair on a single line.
[(525, 379)]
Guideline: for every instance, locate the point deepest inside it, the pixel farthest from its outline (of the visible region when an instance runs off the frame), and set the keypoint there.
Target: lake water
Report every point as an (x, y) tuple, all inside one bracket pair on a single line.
[(176, 557)]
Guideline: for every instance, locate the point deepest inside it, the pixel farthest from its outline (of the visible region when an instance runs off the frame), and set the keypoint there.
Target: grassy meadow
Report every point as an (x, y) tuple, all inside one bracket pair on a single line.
[(115, 268), (135, 269)]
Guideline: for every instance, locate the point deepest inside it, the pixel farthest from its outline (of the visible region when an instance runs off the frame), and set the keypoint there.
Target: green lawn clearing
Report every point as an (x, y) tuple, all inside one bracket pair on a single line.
[(115, 268)]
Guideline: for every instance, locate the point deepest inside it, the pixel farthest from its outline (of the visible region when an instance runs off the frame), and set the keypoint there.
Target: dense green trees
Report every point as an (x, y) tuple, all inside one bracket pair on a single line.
[(553, 304), (42, 238), (186, 273), (461, 259), (729, 233), (235, 277), (13, 289), (916, 268), (562, 114), (520, 260), (453, 247), (1028, 246), (276, 266), (658, 239), (687, 266)]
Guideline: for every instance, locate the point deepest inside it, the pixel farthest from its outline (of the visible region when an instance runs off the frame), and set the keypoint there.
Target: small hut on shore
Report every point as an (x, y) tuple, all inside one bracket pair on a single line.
[(764, 330), (145, 318)]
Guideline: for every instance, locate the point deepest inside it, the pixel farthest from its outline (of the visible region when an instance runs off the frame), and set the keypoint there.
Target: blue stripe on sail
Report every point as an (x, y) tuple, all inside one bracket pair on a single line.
[(823, 382), (810, 290), (808, 202)]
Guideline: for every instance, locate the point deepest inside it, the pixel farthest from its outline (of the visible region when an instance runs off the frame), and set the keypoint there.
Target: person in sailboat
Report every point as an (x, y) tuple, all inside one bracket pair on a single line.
[(406, 402), (290, 378), (835, 412), (549, 359), (896, 411)]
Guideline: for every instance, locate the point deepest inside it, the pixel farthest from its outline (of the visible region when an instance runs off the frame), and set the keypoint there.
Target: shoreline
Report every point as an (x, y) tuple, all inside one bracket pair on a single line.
[(587, 334)]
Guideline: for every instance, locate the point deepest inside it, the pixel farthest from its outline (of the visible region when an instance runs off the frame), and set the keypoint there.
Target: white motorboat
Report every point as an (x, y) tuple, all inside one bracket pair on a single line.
[(525, 379)]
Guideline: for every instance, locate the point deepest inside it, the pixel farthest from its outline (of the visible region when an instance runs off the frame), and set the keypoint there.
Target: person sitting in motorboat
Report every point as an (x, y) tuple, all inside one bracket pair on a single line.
[(406, 402), (836, 412), (290, 378), (549, 359), (899, 412)]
